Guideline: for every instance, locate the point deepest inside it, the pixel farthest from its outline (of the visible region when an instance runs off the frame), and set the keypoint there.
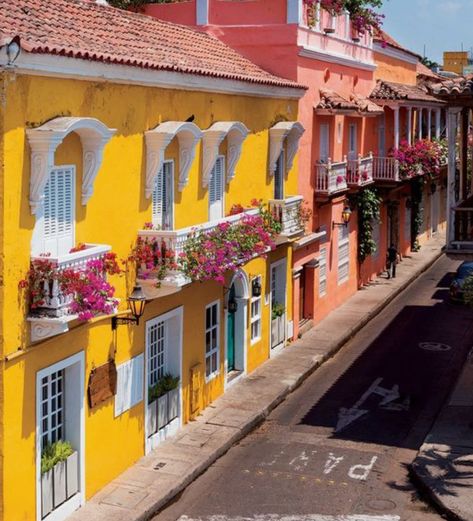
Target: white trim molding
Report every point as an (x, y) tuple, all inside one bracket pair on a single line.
[(157, 140), (330, 57), (236, 133), (44, 141), (78, 69), (290, 130), (398, 54)]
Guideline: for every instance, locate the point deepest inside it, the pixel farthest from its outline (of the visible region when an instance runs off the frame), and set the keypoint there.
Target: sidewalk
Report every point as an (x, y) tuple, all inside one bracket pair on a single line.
[(444, 465), (157, 478)]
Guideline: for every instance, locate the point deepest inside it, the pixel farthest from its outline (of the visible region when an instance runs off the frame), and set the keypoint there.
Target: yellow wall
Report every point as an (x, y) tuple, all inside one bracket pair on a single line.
[(117, 209), (455, 61), (391, 69)]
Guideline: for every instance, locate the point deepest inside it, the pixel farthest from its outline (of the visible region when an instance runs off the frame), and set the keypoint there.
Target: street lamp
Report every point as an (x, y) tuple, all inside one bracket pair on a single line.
[(136, 301), (346, 215)]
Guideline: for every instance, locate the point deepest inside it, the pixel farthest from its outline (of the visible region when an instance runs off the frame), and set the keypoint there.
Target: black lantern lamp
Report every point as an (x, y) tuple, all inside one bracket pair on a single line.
[(256, 288), (232, 305), (137, 301), (346, 215)]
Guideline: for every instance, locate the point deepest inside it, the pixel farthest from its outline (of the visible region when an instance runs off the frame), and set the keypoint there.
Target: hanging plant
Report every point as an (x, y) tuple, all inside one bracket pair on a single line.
[(368, 204), (417, 190)]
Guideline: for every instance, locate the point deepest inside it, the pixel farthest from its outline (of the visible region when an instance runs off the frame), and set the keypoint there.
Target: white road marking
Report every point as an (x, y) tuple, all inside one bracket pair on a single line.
[(404, 406), (362, 472), (332, 462), (304, 517), (434, 346), (347, 416)]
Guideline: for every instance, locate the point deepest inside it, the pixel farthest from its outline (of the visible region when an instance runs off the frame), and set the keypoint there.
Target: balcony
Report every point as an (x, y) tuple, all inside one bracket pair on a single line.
[(288, 213), (331, 178), (175, 240), (54, 314), (360, 172), (386, 170), (460, 245)]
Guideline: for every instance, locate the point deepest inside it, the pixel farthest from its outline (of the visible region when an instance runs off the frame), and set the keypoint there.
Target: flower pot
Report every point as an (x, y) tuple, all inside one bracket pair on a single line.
[(329, 30), (59, 480), (46, 493), (163, 418), (152, 417), (173, 404), (72, 474)]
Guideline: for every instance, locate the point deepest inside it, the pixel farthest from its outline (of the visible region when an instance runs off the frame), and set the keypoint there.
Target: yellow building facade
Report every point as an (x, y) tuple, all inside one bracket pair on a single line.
[(85, 155)]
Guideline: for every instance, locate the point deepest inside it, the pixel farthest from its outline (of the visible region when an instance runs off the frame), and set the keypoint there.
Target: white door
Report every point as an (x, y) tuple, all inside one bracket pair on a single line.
[(278, 305), (352, 141), (163, 197), (59, 211), (324, 142), (216, 190), (279, 178)]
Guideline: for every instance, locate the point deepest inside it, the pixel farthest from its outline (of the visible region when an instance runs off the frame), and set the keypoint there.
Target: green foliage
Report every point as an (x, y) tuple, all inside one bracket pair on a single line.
[(165, 384), (468, 290), (54, 453), (368, 204), (417, 185), (277, 310), (429, 63)]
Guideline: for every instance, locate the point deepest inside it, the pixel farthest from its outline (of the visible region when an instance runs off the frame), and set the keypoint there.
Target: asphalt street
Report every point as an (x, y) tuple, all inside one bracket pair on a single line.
[(339, 447)]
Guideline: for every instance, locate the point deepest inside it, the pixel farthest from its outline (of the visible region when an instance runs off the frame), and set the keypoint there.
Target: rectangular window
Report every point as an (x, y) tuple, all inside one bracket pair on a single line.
[(129, 384), (352, 141), (163, 197), (279, 177), (343, 254), (157, 352), (323, 272), (52, 408), (216, 190), (59, 211), (212, 339), (324, 152), (255, 316)]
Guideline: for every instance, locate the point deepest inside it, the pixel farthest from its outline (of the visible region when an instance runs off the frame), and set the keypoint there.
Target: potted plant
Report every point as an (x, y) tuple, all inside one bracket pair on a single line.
[(163, 402), (170, 385), (59, 475), (278, 312)]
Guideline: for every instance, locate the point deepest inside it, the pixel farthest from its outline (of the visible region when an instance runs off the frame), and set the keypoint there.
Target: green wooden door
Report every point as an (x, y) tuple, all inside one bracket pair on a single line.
[(231, 335)]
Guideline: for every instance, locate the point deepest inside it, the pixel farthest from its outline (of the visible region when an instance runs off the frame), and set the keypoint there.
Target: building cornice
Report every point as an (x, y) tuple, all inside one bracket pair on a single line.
[(398, 54), (74, 68), (317, 54)]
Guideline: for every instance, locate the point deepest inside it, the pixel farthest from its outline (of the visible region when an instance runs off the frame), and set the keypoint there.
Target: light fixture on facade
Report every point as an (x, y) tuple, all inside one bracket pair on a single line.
[(346, 215), (136, 301), (256, 288), (13, 51), (232, 305)]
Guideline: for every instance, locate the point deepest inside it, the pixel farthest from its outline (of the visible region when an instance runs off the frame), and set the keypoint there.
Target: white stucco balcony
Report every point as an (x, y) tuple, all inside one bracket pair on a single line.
[(386, 169), (360, 172), (288, 213), (331, 178)]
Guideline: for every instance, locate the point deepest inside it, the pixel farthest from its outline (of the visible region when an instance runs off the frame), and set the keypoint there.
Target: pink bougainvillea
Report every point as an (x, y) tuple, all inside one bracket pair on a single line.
[(424, 157)]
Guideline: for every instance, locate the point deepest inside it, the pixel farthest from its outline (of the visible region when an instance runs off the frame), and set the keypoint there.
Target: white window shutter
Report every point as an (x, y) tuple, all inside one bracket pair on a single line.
[(59, 211), (157, 198), (129, 384), (216, 189)]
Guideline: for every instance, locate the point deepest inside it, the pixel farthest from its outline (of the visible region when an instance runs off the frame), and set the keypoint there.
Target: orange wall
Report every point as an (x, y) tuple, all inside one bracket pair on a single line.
[(392, 69)]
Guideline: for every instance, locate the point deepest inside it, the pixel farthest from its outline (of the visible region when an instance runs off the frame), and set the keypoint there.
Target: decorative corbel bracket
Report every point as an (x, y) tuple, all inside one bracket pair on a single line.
[(158, 139), (292, 130), (236, 133), (44, 141)]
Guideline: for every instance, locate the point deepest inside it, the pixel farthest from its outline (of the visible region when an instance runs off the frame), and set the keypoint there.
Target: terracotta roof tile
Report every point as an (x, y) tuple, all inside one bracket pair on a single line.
[(386, 39), (388, 90), (331, 100), (366, 106), (81, 29), (463, 85)]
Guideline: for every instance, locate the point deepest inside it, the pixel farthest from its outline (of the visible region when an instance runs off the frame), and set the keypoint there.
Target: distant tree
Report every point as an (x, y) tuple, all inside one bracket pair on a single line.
[(429, 63)]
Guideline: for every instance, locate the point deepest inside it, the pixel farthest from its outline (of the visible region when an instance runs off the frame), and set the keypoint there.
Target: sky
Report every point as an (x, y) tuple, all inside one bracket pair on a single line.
[(440, 25)]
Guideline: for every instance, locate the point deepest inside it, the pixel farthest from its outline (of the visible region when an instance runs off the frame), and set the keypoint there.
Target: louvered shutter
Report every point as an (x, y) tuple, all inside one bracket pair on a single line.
[(216, 189), (343, 254), (59, 211), (129, 384), (323, 272), (324, 142), (157, 199), (279, 178)]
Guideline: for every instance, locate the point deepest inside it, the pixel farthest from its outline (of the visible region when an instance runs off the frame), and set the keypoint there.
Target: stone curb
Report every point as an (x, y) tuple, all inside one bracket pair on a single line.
[(259, 418)]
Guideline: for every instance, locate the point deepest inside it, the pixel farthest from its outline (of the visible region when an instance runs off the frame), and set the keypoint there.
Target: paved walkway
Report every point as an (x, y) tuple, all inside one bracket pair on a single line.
[(157, 478), (444, 465)]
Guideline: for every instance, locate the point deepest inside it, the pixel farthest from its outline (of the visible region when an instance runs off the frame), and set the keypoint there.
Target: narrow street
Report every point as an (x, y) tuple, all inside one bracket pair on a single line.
[(341, 444)]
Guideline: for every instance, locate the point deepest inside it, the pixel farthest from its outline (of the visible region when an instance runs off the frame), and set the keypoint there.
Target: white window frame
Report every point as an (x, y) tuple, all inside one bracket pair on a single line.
[(154, 374), (323, 262), (131, 393), (216, 349), (78, 499), (352, 141), (154, 218), (256, 319), (220, 158), (53, 409), (342, 242)]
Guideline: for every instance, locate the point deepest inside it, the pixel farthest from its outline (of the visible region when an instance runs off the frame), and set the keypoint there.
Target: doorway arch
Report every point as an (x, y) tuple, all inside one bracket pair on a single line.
[(236, 312)]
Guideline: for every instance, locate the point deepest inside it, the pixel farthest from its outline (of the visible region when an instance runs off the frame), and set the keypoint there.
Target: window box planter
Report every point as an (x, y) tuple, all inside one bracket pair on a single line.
[(173, 404), (152, 417), (163, 415), (59, 484)]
